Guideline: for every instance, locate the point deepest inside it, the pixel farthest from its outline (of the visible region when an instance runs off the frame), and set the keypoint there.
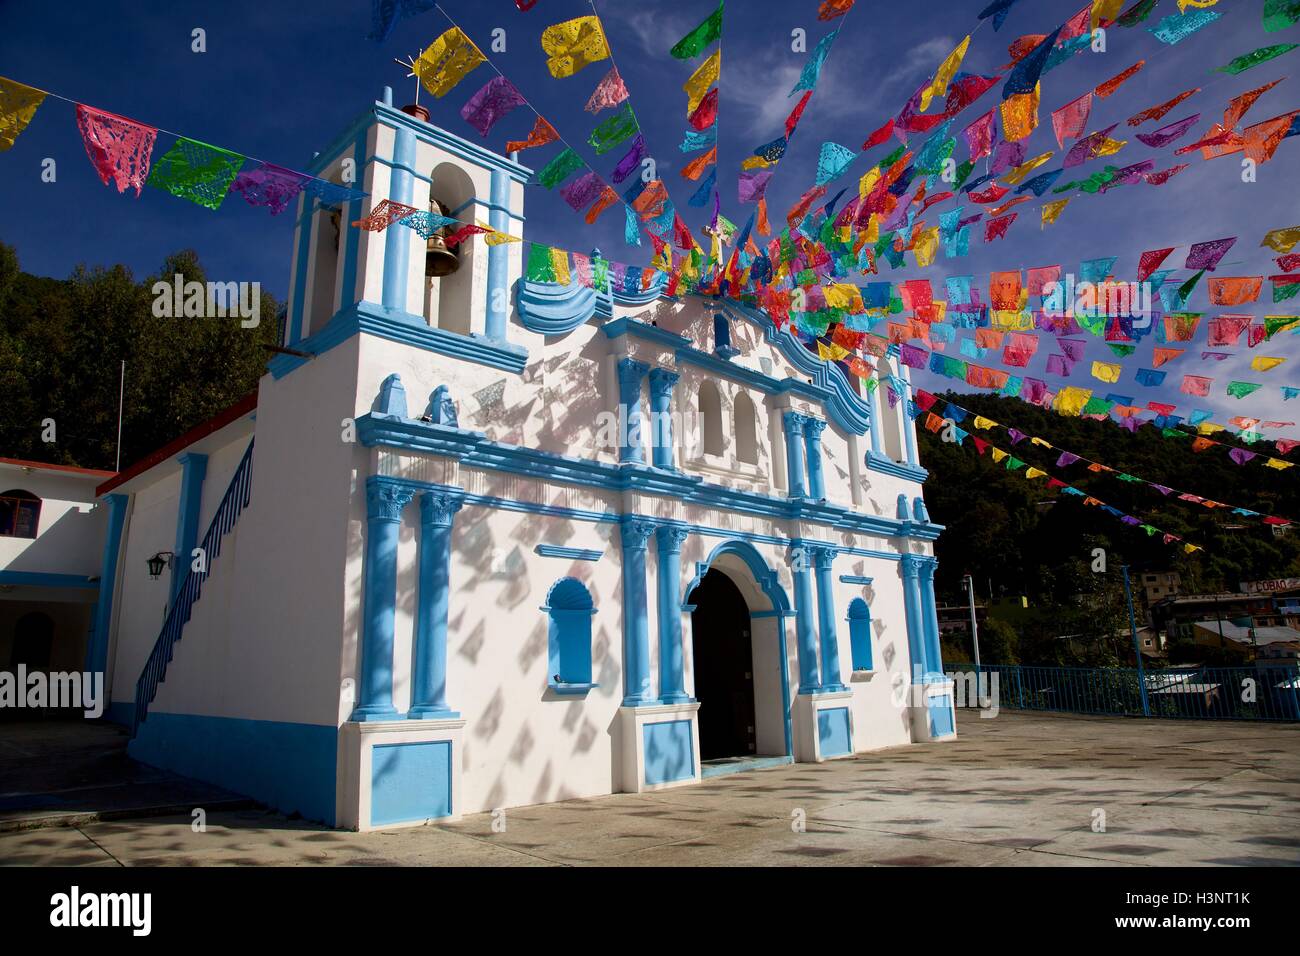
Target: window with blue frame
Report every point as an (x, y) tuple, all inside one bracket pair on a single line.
[(860, 634), (568, 637)]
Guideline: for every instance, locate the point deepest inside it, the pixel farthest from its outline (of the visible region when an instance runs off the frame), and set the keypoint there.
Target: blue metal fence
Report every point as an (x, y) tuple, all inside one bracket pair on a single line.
[(1214, 693), (155, 668)]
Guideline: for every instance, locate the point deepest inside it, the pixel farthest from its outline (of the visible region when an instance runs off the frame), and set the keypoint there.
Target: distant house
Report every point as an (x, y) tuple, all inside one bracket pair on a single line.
[(1158, 585), (1267, 641), (51, 538)]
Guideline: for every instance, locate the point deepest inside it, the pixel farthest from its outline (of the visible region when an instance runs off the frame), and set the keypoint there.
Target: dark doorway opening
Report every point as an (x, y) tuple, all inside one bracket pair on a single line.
[(724, 667)]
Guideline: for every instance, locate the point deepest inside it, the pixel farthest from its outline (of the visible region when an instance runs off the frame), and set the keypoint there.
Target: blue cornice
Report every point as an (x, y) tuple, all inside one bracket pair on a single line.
[(577, 554), (898, 469), (426, 132), (855, 579), (473, 449), (644, 330), (552, 309), (407, 328)]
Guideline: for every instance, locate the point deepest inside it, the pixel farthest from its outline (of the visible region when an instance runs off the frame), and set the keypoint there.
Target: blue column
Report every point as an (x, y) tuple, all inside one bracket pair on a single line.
[(877, 445), (384, 504), (636, 622), (812, 434), (803, 625), (194, 467), (397, 242), (429, 674), (910, 566), (97, 652), (630, 373), (498, 271), (661, 425), (793, 422), (909, 423), (823, 558), (930, 617), (672, 682)]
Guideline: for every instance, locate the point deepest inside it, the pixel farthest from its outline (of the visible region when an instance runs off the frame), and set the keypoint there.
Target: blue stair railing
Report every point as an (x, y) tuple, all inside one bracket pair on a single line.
[(155, 668)]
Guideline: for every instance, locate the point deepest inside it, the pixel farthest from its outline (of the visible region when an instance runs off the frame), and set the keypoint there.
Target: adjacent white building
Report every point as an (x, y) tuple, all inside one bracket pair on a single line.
[(423, 571)]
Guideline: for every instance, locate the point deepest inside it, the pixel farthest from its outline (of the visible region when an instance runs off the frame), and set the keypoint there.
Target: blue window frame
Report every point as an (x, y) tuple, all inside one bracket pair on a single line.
[(860, 634), (568, 637)]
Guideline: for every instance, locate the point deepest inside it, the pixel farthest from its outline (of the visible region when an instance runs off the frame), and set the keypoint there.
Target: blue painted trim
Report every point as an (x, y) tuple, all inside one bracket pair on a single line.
[(887, 466), (494, 205), (385, 113), (194, 467), (97, 651), (637, 689), (408, 329), (844, 406), (473, 449), (939, 711), (855, 579), (397, 242), (429, 675), (289, 766), (834, 732), (740, 766), (577, 554), (644, 330), (669, 750), (47, 579), (293, 334), (498, 272), (348, 294), (410, 781), (552, 309), (384, 504), (414, 173), (826, 627)]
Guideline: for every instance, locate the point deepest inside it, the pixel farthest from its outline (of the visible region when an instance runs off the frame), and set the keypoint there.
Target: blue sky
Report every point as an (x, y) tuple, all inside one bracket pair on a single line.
[(279, 80)]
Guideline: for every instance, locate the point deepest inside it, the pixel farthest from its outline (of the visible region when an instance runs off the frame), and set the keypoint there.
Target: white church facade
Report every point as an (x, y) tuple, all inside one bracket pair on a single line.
[(429, 582)]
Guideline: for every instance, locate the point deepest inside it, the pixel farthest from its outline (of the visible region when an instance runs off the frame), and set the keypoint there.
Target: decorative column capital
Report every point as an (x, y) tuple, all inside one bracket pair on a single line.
[(635, 531), (438, 507), (813, 427), (911, 565), (662, 380), (926, 566), (823, 555), (385, 501), (631, 371), (671, 537), (794, 422)]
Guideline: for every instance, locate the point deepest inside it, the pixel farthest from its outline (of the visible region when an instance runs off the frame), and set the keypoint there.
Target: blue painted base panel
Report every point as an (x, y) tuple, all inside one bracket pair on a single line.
[(833, 732), (669, 752), (941, 719), (720, 768), (410, 782), (292, 767)]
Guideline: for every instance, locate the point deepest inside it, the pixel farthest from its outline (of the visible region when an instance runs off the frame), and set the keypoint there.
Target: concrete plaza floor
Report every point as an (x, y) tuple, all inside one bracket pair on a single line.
[(1016, 790)]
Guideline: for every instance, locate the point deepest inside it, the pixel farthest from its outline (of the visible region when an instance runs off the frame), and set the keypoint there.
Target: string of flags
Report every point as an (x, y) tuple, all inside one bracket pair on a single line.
[(957, 415), (1054, 484), (121, 151)]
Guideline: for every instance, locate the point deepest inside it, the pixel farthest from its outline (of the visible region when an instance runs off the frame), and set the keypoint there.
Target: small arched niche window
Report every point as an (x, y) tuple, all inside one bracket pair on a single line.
[(860, 634), (745, 428), (20, 514), (568, 637), (710, 418), (891, 427), (449, 298)]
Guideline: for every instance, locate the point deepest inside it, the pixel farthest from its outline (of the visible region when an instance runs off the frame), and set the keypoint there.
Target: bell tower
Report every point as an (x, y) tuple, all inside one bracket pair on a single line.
[(411, 287)]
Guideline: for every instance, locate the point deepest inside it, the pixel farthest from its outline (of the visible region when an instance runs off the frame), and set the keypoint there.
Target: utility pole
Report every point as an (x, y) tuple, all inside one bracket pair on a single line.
[(969, 581), (121, 395), (1137, 650)]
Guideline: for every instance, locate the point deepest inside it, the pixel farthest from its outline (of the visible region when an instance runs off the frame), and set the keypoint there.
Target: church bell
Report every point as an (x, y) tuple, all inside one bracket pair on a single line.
[(438, 259)]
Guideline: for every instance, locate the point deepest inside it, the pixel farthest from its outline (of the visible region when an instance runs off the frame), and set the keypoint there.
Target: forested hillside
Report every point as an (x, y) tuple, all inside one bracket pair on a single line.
[(1026, 539), (61, 345)]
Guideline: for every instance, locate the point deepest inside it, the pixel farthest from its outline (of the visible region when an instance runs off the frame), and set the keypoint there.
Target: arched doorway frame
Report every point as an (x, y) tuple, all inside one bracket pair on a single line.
[(760, 586)]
